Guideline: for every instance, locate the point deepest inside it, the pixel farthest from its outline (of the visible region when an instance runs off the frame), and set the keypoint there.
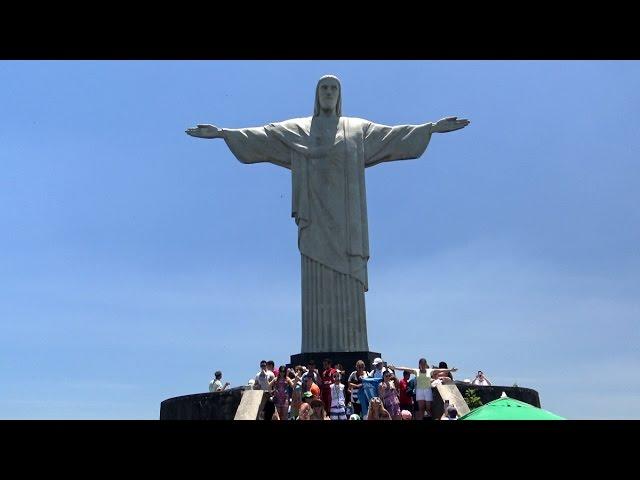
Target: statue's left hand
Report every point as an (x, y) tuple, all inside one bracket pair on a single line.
[(204, 130), (449, 124)]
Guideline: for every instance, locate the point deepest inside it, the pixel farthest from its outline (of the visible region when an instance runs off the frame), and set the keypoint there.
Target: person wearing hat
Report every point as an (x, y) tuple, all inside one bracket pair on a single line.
[(378, 368)]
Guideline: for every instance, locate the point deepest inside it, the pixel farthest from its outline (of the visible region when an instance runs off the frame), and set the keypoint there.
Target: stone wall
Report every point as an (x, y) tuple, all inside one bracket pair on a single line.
[(202, 406), (488, 394)]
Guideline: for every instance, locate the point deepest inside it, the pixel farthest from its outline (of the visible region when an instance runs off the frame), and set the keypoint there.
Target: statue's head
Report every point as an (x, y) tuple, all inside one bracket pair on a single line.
[(328, 96)]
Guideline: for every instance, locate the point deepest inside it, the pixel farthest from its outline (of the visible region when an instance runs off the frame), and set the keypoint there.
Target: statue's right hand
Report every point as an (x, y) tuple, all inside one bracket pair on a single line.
[(204, 131)]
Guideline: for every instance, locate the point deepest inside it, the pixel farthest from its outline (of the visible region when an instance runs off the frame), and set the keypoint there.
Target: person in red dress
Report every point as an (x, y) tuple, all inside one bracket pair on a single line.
[(327, 380), (406, 400)]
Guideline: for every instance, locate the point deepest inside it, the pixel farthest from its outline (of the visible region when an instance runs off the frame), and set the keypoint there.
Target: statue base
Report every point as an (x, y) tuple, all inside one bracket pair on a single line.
[(347, 359)]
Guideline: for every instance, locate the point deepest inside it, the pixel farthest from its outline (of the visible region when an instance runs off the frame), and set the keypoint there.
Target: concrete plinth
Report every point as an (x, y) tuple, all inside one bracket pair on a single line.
[(347, 359)]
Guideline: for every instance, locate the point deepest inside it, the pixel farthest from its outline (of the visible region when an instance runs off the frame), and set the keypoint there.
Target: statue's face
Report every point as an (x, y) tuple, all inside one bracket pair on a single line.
[(328, 92)]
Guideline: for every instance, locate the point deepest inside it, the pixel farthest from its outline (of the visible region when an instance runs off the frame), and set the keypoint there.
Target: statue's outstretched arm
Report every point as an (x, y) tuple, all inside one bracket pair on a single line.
[(248, 145), (449, 124), (204, 130)]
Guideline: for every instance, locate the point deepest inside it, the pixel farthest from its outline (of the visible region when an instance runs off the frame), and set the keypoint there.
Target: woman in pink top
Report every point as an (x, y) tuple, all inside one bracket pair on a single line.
[(281, 386), (389, 395)]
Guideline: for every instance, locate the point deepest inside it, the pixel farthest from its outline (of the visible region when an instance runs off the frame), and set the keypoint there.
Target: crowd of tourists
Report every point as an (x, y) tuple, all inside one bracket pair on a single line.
[(331, 393)]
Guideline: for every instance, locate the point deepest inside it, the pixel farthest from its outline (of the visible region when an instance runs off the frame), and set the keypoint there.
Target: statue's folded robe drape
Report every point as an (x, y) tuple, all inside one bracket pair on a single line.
[(329, 205)]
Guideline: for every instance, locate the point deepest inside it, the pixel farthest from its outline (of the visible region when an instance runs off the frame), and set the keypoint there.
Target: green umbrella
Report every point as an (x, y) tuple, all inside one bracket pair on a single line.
[(506, 408)]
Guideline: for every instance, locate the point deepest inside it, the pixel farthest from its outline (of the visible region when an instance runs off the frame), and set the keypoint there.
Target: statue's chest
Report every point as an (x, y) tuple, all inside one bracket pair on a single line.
[(329, 146), (326, 138)]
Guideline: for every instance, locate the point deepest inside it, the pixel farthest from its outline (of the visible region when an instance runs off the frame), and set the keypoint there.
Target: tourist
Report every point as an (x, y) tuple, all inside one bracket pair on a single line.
[(404, 392), (298, 373), (411, 391), (378, 368), (269, 409), (406, 415), (355, 382), (311, 370), (327, 380), (271, 366), (338, 405), (343, 377), (443, 375), (450, 413), (216, 384), (377, 411), (281, 386), (305, 412), (296, 394), (263, 382), (481, 380), (424, 396), (311, 387), (389, 394), (263, 377), (317, 410)]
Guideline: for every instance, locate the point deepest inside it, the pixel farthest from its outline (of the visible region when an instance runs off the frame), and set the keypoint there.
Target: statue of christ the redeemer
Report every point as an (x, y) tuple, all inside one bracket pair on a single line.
[(327, 154)]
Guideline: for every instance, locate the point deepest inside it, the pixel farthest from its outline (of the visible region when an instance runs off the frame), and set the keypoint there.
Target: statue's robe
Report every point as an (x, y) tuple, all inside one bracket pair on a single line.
[(329, 206)]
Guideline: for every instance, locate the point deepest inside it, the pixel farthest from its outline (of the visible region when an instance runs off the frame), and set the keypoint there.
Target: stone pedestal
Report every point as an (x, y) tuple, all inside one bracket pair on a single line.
[(347, 359), (226, 405)]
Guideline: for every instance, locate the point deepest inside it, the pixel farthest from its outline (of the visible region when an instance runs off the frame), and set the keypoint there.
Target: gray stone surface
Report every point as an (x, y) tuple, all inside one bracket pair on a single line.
[(251, 405), (327, 154), (347, 359), (202, 406), (450, 392)]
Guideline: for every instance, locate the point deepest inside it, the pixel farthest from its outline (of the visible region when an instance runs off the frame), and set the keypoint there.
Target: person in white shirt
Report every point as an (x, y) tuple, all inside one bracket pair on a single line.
[(338, 406), (263, 378), (216, 384), (450, 413), (378, 368), (481, 380), (424, 374)]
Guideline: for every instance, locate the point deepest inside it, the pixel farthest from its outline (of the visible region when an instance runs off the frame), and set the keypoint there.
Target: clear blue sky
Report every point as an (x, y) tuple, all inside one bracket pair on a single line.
[(135, 260)]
